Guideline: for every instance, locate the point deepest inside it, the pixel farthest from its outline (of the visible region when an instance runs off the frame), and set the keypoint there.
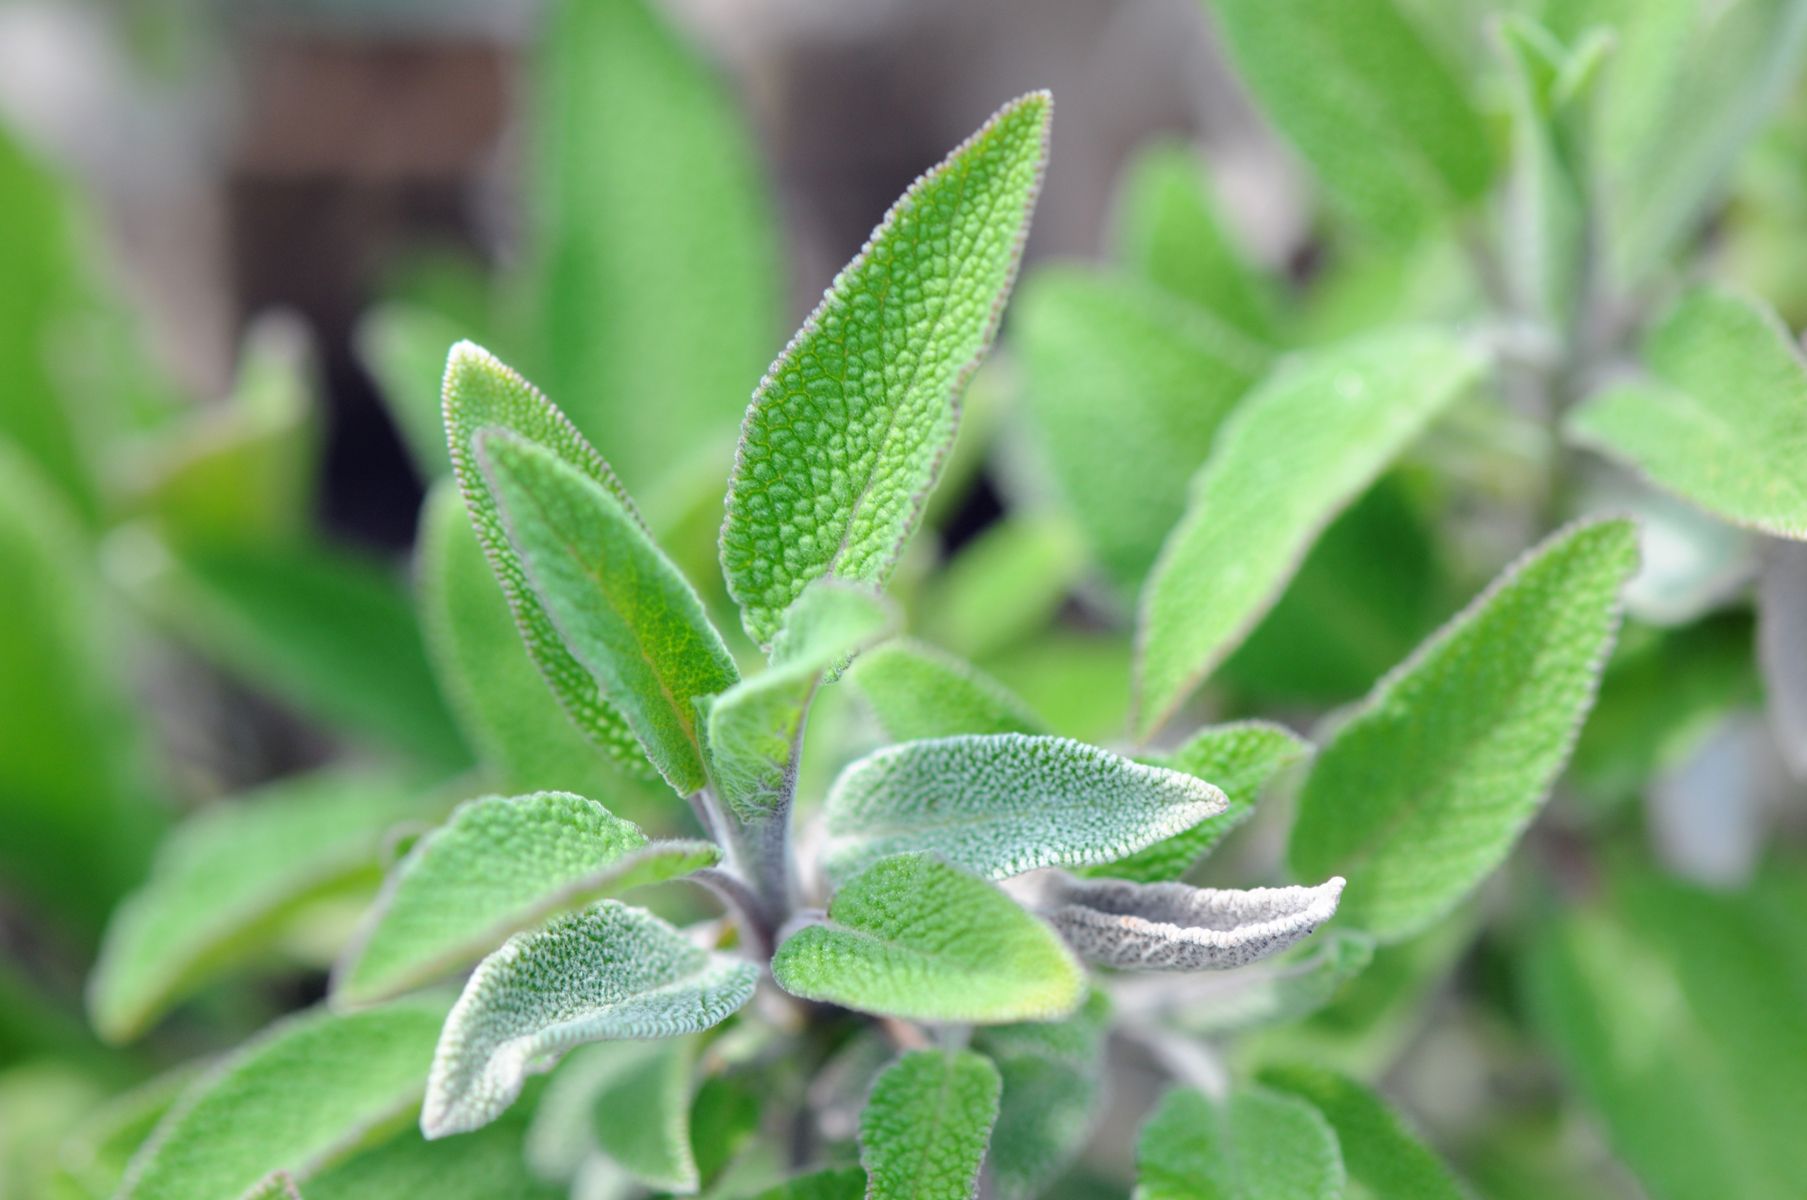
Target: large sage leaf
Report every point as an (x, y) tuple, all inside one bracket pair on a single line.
[(1173, 927), (847, 431), (226, 880), (1369, 101), (1127, 387), (608, 972), (621, 608), (1295, 452), (500, 865), (1723, 423), (1256, 1145), (1426, 786), (297, 1098), (1381, 1152), (917, 692), (1003, 804), (924, 1132), (914, 937)]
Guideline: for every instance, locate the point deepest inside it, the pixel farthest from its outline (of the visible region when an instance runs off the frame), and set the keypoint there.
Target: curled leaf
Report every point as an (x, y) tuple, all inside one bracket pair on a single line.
[(1173, 927)]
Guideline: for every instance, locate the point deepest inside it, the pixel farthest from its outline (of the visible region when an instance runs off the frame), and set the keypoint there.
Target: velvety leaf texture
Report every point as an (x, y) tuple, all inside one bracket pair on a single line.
[(1240, 759), (1723, 423), (621, 608), (1295, 452), (1127, 387), (924, 1132), (1258, 1145), (295, 1099), (1380, 1151), (1380, 115), (481, 393), (914, 937), (917, 692), (608, 972), (1173, 927), (1053, 1077), (224, 881), (500, 865), (847, 431), (1004, 804), (1426, 786)]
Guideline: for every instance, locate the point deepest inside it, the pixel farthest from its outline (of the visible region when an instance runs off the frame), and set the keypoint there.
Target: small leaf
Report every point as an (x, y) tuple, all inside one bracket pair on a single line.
[(1296, 451), (924, 1132), (225, 881), (295, 1099), (1723, 423), (1380, 1152), (755, 726), (1426, 786), (498, 866), (913, 937), (485, 1165), (481, 393), (1269, 993), (847, 431), (1369, 102), (606, 973), (836, 1183), (1127, 387), (1053, 1073), (1256, 1146), (627, 1100), (917, 692), (1240, 759), (619, 605), (1007, 803), (1173, 927)]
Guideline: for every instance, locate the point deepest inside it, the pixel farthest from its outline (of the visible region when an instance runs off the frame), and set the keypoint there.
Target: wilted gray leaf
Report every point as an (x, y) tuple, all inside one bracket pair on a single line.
[(1174, 927)]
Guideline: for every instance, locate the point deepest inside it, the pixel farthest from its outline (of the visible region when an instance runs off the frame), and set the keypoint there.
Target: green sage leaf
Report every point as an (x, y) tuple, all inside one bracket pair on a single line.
[(1257, 1145), (924, 1132), (1380, 1151)]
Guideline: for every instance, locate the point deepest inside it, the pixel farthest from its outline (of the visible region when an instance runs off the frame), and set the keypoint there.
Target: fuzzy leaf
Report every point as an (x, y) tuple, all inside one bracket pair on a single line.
[(298, 1097), (754, 727), (608, 972), (1268, 993), (846, 433), (913, 937), (1256, 1146), (1723, 423), (1380, 1151), (1370, 103), (917, 691), (621, 608), (924, 1132), (1127, 387), (1003, 804), (1426, 786), (225, 880), (655, 249), (627, 1100), (1053, 1074), (482, 393), (1296, 451), (1173, 927), (498, 866), (485, 1165), (1239, 759)]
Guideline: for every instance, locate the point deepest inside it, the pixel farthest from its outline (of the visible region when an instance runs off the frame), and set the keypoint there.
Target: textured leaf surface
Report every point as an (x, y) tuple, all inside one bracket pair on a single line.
[(1169, 229), (1127, 387), (606, 973), (1679, 1016), (1368, 100), (1724, 421), (1239, 759), (754, 727), (225, 880), (1427, 785), (847, 431), (627, 1100), (914, 937), (1173, 927), (1004, 804), (654, 244), (622, 609), (485, 1165), (1257, 1146), (481, 393), (1297, 450), (1380, 1151), (924, 1132), (1053, 1077), (500, 865), (303, 1094), (917, 692)]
